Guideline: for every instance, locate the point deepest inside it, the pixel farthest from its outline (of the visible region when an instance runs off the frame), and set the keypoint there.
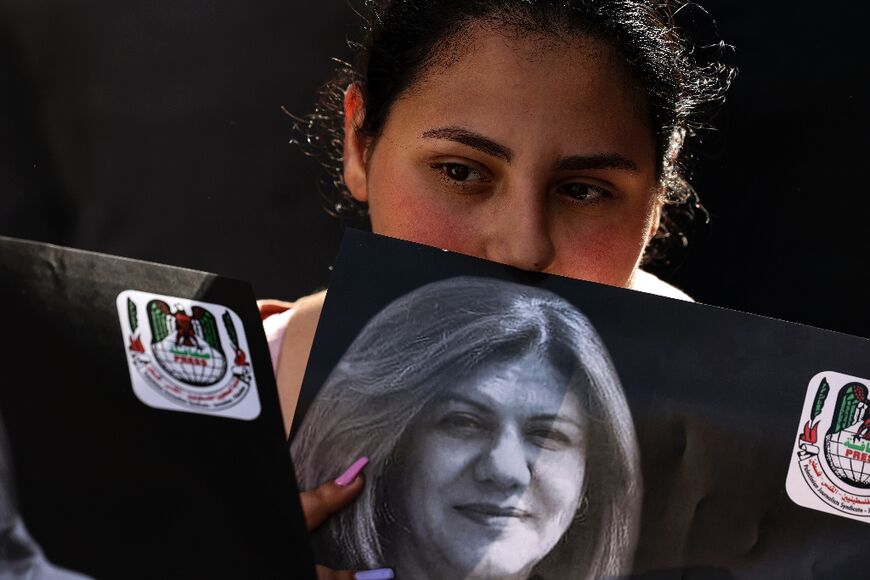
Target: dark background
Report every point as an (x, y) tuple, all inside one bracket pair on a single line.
[(154, 130)]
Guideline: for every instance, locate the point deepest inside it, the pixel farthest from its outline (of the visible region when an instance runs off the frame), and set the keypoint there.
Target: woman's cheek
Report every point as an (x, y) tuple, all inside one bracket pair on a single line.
[(599, 249), (563, 473), (441, 454), (420, 216)]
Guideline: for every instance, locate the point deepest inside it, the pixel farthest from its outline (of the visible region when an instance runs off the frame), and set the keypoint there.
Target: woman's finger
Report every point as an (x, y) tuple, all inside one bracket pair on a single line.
[(324, 573), (270, 307), (321, 502)]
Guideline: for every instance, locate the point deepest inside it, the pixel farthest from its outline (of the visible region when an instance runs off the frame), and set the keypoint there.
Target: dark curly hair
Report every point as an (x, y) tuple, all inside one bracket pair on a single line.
[(404, 38)]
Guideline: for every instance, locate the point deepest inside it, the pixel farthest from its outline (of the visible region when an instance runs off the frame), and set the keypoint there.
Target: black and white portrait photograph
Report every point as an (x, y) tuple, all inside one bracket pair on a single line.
[(500, 441)]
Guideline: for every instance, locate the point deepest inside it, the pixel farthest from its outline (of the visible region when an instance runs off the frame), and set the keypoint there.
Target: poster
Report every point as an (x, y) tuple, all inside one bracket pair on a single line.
[(530, 426)]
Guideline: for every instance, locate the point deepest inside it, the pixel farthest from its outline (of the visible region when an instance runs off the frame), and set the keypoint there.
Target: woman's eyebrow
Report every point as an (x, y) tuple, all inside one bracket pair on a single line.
[(490, 147), (471, 139), (550, 419), (460, 398), (482, 407), (600, 161)]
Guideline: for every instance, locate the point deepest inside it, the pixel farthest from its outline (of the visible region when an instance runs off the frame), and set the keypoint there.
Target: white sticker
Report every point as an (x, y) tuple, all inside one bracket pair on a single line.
[(187, 356), (830, 463)]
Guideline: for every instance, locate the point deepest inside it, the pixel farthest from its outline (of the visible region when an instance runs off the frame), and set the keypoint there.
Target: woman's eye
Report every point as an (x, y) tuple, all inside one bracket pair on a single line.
[(458, 172), (549, 438), (583, 192), (462, 422)]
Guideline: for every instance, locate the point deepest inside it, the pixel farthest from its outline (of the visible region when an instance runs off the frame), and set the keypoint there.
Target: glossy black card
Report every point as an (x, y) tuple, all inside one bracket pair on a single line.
[(142, 419)]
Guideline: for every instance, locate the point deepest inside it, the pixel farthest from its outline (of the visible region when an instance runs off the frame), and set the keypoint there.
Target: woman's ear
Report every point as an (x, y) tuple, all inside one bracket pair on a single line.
[(355, 145)]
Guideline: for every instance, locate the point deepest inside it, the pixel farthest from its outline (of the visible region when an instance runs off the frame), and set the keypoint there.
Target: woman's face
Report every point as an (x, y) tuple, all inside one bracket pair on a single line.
[(491, 473), (522, 149)]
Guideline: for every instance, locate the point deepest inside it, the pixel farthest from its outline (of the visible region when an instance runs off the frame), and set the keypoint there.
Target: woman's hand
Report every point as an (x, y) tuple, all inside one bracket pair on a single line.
[(321, 502)]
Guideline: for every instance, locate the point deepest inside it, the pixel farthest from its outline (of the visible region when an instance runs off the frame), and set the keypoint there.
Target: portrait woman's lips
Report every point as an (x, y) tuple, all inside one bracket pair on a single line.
[(492, 515)]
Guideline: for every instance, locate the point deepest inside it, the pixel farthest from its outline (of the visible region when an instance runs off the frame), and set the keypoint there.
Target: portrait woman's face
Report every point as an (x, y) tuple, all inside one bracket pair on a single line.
[(523, 149), (491, 473)]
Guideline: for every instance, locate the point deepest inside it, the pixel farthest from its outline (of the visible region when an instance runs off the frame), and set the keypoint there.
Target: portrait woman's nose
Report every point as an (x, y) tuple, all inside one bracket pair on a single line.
[(519, 233), (504, 463)]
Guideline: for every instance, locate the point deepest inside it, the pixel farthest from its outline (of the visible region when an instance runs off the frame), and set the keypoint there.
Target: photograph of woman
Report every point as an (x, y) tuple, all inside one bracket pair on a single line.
[(500, 443)]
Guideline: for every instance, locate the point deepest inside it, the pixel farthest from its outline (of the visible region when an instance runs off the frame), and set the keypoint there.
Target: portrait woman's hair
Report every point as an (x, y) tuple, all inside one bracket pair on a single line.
[(406, 357), (683, 84)]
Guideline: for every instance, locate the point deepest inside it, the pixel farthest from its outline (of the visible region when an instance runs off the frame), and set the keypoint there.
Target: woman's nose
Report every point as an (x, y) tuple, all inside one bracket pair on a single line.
[(504, 463), (520, 234)]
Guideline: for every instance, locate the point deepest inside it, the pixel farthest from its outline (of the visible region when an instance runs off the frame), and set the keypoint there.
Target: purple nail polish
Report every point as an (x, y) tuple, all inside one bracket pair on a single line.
[(379, 574), (348, 476)]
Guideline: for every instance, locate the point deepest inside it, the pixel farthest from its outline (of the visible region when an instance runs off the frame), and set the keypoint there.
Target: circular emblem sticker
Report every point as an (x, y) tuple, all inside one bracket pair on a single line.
[(830, 466), (186, 355)]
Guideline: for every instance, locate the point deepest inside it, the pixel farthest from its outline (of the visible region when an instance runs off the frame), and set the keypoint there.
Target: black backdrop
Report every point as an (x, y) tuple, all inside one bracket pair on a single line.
[(154, 130)]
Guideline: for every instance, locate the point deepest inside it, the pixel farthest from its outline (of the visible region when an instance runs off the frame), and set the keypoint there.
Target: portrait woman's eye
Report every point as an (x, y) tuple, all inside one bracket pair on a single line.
[(463, 423), (585, 193), (552, 437)]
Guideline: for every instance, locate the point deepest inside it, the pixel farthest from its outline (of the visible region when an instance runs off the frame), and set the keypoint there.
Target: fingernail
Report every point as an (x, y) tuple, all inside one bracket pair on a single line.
[(379, 574), (348, 476)]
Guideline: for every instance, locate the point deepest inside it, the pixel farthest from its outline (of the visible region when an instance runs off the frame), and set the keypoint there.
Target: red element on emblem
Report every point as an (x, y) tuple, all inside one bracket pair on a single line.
[(189, 360), (136, 345), (184, 332), (241, 360), (863, 431), (830, 488), (810, 434)]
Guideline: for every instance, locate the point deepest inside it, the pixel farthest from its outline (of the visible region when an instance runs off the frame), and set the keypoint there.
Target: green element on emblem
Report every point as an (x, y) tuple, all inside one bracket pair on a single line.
[(132, 314), (209, 327), (157, 313), (231, 330), (855, 446), (188, 329), (819, 402), (192, 354), (851, 404)]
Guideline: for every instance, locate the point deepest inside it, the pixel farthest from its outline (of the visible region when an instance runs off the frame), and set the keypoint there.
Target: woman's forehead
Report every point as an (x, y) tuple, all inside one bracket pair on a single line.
[(488, 53), (528, 381), (517, 87)]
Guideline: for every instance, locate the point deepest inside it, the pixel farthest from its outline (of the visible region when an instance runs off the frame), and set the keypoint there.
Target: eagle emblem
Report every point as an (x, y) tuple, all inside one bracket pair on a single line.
[(187, 346), (830, 466), (186, 355)]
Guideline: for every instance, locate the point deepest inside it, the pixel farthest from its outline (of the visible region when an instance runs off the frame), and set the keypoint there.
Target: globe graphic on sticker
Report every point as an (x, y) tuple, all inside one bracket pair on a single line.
[(199, 365), (849, 457)]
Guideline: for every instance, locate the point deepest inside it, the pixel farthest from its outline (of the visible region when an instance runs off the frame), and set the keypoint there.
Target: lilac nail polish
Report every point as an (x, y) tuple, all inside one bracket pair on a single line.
[(379, 574), (348, 476)]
